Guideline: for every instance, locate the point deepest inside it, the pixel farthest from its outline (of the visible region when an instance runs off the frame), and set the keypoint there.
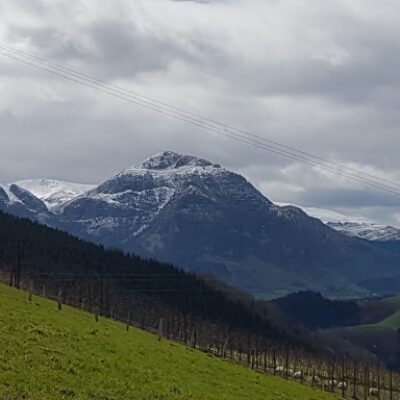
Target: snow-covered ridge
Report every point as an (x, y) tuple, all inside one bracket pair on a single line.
[(11, 197), (355, 226), (53, 192), (141, 192), (172, 160)]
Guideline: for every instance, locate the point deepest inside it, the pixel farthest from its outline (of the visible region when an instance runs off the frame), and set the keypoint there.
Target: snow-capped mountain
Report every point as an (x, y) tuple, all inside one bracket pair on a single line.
[(204, 218), (130, 201), (355, 226), (141, 192), (52, 192)]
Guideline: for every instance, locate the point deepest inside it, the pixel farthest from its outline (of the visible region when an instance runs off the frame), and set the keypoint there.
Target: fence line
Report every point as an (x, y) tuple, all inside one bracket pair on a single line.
[(349, 382), (348, 378)]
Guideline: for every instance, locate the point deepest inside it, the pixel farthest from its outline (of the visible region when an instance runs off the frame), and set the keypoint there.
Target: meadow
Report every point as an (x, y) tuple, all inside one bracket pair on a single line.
[(48, 354)]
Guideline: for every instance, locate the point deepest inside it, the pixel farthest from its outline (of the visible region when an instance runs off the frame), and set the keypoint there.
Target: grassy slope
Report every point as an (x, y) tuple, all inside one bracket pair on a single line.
[(51, 354), (375, 311), (389, 308), (380, 337), (392, 322)]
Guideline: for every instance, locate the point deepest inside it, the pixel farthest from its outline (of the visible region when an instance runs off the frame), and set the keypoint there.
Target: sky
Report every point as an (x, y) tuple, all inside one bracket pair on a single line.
[(321, 76)]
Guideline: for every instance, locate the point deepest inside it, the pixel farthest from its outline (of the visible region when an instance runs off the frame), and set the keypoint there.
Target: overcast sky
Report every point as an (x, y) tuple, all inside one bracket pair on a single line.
[(321, 76)]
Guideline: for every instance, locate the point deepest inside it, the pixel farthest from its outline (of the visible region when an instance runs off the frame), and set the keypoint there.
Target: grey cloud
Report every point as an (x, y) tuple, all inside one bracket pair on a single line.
[(321, 78)]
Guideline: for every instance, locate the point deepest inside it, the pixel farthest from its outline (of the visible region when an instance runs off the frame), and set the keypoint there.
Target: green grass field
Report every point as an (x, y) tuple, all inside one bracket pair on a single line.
[(376, 311), (381, 337), (50, 354), (387, 325)]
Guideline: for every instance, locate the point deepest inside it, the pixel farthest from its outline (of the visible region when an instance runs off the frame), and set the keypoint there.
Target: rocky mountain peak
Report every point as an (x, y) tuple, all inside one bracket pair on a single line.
[(172, 160)]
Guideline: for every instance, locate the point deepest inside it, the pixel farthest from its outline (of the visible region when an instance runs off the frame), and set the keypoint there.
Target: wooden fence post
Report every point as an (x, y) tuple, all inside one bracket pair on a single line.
[(287, 363), (30, 291), (378, 380), (128, 322), (333, 375), (343, 378), (256, 354), (365, 383), (195, 338), (355, 370), (224, 351), (173, 326), (59, 301), (248, 351), (274, 360), (185, 338), (313, 378), (160, 329), (265, 361)]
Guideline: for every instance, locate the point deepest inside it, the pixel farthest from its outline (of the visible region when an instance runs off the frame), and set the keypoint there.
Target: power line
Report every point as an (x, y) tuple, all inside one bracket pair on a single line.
[(186, 112), (199, 121), (156, 107)]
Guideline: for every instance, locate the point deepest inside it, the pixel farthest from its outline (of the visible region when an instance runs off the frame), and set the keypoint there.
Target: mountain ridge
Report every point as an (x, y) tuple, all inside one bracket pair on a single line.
[(361, 227), (53, 192), (204, 218)]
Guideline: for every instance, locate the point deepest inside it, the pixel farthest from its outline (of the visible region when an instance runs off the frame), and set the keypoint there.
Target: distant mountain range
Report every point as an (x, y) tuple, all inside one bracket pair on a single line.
[(205, 218), (353, 226), (52, 192)]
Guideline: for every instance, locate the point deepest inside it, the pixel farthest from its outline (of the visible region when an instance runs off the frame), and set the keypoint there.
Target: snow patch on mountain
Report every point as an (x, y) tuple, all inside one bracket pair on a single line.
[(355, 226), (10, 197), (134, 198), (53, 192), (172, 160)]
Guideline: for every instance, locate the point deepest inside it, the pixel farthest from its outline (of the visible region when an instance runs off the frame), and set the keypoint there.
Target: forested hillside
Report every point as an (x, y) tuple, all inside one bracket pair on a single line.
[(126, 286), (155, 296)]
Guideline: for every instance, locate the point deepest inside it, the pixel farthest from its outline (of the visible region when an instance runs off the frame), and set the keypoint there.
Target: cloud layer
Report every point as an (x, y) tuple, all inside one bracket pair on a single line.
[(322, 77)]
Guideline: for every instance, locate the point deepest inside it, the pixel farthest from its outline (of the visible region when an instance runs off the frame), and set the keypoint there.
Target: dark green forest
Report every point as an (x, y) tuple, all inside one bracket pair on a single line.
[(127, 286)]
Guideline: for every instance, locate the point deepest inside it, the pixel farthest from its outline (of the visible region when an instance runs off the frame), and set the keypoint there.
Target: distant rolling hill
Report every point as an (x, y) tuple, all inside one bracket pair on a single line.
[(378, 329), (364, 326)]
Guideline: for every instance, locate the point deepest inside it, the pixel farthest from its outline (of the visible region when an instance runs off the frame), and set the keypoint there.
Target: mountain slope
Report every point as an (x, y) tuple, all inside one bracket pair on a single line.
[(51, 354), (380, 338), (20, 202), (204, 218)]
